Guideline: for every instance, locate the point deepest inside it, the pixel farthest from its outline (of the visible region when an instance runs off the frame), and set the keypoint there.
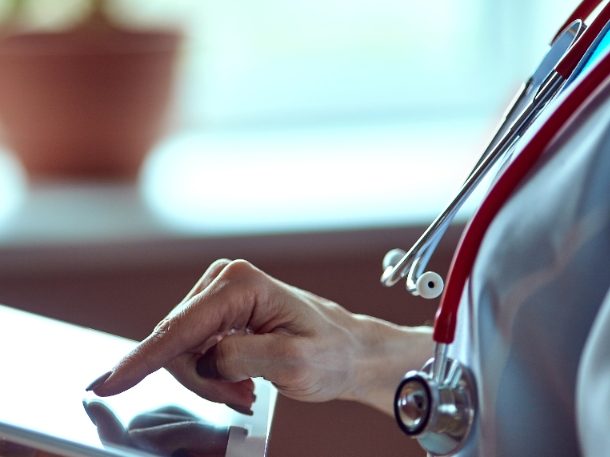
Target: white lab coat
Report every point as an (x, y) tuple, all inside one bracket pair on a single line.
[(534, 323)]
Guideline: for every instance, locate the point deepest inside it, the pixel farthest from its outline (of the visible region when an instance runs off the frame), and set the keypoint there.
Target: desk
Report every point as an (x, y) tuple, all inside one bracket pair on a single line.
[(49, 415)]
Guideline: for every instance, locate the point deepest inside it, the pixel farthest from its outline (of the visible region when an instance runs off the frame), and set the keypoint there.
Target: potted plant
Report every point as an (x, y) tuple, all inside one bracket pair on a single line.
[(87, 102)]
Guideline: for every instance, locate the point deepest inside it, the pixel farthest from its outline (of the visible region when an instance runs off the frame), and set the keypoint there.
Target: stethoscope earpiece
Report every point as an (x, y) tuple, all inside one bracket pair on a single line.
[(429, 285), (392, 258)]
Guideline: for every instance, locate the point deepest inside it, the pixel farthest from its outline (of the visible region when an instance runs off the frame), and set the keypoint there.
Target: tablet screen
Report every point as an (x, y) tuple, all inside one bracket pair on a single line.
[(46, 365)]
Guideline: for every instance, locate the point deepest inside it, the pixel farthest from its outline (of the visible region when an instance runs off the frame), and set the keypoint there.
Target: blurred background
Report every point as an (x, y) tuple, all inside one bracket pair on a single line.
[(142, 139)]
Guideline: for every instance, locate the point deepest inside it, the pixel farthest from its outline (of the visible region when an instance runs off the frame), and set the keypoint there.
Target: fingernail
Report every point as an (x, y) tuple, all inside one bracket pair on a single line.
[(88, 413), (98, 381), (206, 365), (241, 409)]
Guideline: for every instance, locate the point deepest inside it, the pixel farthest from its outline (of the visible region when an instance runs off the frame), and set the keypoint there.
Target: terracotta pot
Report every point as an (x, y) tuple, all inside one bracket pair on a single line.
[(85, 104)]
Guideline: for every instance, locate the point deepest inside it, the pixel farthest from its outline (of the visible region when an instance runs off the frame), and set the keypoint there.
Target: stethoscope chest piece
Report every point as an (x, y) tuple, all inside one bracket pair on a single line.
[(438, 411)]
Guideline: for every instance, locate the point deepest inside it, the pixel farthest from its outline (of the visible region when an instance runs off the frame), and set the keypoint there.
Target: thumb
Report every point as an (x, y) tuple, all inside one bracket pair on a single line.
[(242, 356)]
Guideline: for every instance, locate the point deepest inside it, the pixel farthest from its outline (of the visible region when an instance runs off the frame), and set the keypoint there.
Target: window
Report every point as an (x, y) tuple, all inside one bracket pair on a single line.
[(346, 97), (269, 62)]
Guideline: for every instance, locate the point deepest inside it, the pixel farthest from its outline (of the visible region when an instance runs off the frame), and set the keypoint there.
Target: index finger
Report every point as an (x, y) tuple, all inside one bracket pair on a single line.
[(227, 303)]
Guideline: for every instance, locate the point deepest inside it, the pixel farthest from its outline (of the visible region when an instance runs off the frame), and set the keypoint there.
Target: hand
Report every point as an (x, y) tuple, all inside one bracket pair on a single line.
[(168, 431), (238, 323)]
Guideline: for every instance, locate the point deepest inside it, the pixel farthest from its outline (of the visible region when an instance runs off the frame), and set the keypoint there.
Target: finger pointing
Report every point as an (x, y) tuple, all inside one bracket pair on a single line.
[(220, 307)]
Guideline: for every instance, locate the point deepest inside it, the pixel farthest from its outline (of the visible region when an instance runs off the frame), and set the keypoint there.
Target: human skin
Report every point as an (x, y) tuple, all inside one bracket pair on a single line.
[(249, 324)]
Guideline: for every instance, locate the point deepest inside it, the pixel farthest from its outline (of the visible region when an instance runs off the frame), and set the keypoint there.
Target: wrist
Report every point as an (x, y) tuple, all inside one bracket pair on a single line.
[(384, 353)]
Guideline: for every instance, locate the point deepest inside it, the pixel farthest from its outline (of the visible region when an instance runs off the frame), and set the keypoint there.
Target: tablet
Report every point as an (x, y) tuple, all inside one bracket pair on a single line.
[(46, 365)]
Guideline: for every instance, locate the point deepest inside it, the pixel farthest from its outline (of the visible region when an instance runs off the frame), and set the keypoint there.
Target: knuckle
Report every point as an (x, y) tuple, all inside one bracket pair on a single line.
[(239, 270), (218, 265), (227, 355), (214, 270), (222, 261), (167, 330), (162, 328)]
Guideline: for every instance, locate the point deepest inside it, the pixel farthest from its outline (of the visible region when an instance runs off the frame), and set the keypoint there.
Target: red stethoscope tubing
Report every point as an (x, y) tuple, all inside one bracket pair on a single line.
[(466, 253)]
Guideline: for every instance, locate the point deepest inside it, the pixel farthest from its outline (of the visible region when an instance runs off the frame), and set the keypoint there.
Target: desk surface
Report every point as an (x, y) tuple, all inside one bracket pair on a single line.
[(46, 364)]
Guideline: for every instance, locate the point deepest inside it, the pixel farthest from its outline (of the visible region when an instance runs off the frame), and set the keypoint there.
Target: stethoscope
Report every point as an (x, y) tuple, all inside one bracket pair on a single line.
[(437, 405)]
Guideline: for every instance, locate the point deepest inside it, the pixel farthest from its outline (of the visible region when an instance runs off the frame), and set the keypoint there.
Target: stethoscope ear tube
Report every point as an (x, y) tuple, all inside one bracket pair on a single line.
[(570, 60), (531, 99), (576, 96), (582, 11)]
